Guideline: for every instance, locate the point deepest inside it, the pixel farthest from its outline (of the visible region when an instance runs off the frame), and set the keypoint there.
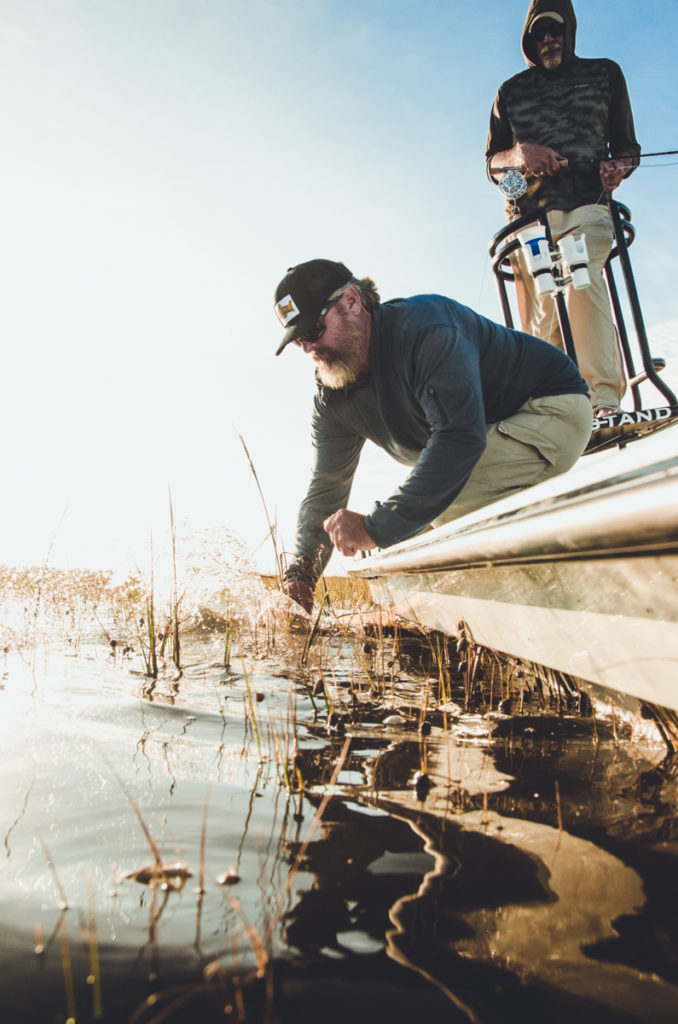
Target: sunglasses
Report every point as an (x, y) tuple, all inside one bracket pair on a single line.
[(316, 332), (546, 27)]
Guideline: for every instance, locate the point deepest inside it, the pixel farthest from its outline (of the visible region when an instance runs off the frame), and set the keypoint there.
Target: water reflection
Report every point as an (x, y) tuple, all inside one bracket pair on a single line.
[(534, 879), (506, 910)]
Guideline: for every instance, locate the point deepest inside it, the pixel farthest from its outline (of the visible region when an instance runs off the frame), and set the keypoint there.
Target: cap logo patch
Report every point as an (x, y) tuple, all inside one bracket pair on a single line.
[(286, 310)]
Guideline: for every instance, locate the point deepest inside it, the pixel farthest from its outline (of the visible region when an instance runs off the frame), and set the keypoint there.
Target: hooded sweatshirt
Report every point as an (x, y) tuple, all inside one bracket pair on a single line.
[(581, 109)]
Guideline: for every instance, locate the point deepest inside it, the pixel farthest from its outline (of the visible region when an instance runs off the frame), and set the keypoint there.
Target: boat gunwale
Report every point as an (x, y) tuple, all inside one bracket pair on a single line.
[(599, 520)]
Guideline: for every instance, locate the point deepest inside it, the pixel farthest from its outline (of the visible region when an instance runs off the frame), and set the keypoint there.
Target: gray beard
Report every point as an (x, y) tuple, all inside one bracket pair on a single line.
[(341, 366), (552, 60), (336, 375)]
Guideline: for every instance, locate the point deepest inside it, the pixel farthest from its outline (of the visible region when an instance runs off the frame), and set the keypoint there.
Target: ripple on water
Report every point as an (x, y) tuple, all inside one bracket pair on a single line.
[(531, 871)]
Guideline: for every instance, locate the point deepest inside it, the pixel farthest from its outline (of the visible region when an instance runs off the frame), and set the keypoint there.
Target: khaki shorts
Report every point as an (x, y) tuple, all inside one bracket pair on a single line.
[(543, 438)]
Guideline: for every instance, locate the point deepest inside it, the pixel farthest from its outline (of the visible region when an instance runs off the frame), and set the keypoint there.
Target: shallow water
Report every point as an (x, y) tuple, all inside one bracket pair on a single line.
[(530, 875)]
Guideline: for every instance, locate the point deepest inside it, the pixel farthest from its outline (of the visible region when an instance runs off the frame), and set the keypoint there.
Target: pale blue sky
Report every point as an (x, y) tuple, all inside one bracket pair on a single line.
[(165, 161)]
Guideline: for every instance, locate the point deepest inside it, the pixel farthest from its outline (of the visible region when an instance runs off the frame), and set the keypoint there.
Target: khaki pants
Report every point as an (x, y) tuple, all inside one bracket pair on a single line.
[(543, 438), (593, 330)]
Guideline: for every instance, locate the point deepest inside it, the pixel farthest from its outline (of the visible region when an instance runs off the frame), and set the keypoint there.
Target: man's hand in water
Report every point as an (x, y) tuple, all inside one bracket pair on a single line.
[(300, 591)]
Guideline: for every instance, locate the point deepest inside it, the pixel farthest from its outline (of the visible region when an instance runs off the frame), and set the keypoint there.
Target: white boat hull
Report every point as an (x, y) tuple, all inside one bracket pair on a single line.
[(579, 574)]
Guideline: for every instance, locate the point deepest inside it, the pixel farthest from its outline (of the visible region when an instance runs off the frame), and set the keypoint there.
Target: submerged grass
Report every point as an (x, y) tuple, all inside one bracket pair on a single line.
[(71, 605), (435, 671), (279, 560)]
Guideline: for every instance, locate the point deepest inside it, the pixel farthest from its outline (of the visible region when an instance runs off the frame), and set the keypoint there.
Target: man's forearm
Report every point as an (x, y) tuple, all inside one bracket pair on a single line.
[(506, 158), (530, 156), (313, 547)]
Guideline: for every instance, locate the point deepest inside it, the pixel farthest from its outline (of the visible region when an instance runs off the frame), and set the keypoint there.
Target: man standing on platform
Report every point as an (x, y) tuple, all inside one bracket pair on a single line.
[(567, 123)]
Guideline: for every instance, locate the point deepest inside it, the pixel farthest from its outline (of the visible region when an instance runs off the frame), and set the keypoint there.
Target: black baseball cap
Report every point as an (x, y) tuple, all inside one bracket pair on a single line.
[(301, 297)]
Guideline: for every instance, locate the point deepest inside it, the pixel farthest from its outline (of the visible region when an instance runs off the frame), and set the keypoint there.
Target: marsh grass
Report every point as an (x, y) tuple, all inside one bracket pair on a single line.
[(229, 634), (149, 653), (74, 605), (174, 611), (382, 655), (40, 601), (160, 873), (67, 969), (272, 530), (94, 963), (63, 906), (251, 707), (343, 593)]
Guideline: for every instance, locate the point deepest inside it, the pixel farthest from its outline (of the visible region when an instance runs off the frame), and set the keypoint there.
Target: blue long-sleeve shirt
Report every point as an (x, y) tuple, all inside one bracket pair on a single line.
[(439, 373)]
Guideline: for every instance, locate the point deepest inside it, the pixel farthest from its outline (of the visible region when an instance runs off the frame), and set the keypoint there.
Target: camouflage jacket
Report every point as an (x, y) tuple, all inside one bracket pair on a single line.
[(583, 112)]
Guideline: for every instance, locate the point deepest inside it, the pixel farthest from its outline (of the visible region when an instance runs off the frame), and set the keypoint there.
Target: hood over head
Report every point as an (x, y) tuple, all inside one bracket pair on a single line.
[(565, 10)]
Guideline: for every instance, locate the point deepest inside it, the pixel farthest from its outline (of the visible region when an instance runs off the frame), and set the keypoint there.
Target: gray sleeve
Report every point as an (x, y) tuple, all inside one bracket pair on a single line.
[(336, 451)]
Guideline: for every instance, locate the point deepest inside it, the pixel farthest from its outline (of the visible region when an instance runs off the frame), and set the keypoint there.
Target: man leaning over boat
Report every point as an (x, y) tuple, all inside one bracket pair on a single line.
[(567, 123), (478, 410)]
